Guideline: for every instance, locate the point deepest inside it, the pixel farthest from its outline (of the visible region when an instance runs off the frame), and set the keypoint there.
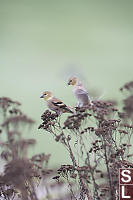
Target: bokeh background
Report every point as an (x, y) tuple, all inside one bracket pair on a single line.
[(43, 42)]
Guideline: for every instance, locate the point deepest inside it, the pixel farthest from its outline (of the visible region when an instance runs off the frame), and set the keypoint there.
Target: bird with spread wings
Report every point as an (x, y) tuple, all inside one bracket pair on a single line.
[(79, 92)]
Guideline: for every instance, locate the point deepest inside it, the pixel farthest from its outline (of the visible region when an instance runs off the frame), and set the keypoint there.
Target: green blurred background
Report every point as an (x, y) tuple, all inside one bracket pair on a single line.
[(43, 42)]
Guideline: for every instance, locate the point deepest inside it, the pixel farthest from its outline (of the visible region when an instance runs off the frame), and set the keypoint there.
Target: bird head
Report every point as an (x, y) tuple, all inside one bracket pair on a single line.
[(72, 80), (46, 95)]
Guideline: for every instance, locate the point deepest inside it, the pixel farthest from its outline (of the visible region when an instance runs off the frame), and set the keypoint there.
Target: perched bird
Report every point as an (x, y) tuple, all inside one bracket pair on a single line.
[(79, 91), (55, 104)]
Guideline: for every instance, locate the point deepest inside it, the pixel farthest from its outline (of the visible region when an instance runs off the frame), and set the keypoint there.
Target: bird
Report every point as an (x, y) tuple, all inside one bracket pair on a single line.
[(79, 92), (55, 104)]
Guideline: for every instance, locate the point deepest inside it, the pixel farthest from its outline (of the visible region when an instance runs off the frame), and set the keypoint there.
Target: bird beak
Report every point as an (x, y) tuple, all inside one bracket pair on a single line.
[(68, 83), (41, 96)]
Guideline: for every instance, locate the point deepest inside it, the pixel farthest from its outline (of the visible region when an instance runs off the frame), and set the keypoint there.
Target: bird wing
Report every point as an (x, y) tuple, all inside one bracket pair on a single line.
[(81, 91), (82, 95), (60, 105)]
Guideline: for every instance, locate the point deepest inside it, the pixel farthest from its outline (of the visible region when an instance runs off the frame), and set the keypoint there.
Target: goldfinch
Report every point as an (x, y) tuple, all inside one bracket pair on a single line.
[(55, 104), (79, 92)]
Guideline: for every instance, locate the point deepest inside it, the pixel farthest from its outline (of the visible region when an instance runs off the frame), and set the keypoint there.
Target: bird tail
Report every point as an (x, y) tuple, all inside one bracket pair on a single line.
[(69, 111)]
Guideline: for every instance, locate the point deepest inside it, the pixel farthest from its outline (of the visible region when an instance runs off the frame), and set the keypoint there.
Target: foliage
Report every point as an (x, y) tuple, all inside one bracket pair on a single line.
[(21, 175), (99, 140)]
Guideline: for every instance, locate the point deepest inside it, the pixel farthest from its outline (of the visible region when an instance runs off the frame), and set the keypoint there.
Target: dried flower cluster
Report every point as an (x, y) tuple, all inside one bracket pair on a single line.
[(98, 139), (22, 178)]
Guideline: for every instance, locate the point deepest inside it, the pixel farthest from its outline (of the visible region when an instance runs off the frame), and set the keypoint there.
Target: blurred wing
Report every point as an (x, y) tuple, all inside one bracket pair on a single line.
[(82, 91), (82, 96)]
